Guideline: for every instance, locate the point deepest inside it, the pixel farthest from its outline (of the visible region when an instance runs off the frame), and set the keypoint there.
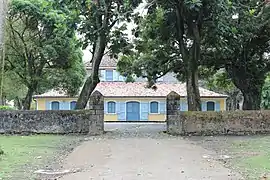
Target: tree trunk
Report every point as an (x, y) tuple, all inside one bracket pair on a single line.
[(252, 98), (193, 94), (92, 81), (18, 103), (191, 59), (28, 99), (250, 84), (3, 11)]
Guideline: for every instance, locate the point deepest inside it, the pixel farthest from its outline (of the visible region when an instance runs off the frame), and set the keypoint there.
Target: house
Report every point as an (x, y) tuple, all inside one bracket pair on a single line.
[(132, 101)]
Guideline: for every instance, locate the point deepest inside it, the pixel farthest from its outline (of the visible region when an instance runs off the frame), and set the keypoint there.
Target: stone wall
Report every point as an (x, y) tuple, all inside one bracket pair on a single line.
[(56, 122), (215, 123)]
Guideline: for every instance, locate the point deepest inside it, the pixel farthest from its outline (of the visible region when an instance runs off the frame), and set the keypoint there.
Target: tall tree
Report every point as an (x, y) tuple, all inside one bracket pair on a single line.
[(241, 47), (40, 45), (101, 28), (172, 34), (220, 82), (3, 11)]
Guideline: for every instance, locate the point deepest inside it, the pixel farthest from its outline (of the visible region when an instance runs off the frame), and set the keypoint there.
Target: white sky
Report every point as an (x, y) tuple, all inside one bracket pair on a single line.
[(141, 9)]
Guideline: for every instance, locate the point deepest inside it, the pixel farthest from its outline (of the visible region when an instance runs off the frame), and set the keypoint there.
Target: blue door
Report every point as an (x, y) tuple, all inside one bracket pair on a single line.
[(133, 111)]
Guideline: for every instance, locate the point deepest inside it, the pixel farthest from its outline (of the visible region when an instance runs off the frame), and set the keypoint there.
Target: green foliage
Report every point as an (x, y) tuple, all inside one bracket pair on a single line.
[(104, 18), (240, 46), (220, 82), (6, 108), (265, 104), (1, 151), (42, 49), (160, 46)]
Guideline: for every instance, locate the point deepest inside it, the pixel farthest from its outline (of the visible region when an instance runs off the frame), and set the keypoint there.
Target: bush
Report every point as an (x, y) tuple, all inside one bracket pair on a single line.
[(1, 151), (6, 108)]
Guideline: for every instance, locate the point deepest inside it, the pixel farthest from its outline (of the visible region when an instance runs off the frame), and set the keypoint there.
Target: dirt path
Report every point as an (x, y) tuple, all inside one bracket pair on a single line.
[(135, 152)]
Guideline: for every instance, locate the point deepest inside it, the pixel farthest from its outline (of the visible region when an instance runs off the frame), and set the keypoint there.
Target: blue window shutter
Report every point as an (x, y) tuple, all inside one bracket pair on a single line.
[(144, 110), (204, 106), (105, 107), (115, 75), (122, 111), (121, 78), (47, 105), (183, 105), (109, 75), (102, 75), (111, 107), (154, 107), (64, 105), (55, 105), (72, 105), (162, 107), (217, 106)]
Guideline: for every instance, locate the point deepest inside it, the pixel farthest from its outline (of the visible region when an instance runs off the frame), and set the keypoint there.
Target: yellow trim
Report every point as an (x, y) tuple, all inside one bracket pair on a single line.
[(156, 117), (110, 117)]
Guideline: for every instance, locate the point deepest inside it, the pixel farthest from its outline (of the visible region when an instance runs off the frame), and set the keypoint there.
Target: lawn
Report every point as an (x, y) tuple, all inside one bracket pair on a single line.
[(25, 154), (250, 155)]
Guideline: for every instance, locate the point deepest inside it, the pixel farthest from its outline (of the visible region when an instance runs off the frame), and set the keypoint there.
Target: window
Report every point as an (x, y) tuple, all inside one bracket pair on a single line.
[(154, 107), (55, 105), (210, 106), (109, 75), (111, 107), (72, 105)]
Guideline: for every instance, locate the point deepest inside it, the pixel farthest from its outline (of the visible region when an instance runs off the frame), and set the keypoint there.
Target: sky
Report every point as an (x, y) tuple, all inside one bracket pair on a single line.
[(141, 9)]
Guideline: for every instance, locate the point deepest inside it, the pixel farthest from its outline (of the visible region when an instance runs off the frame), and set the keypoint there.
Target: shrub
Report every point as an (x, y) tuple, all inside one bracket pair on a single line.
[(1, 151), (6, 108)]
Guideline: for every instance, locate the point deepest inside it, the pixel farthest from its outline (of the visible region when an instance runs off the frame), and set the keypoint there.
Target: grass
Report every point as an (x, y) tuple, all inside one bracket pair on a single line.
[(250, 155), (24, 154), (253, 158)]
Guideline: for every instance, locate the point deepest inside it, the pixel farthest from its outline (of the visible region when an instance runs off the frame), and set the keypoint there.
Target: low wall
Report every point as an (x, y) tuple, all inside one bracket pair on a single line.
[(51, 122), (219, 123)]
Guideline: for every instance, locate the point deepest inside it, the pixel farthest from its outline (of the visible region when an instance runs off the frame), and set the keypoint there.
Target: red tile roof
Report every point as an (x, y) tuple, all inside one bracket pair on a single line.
[(138, 89)]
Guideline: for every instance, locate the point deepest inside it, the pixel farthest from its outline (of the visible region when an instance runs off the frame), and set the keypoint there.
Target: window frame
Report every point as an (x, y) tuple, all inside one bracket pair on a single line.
[(213, 106), (70, 105), (150, 107), (52, 105), (111, 71), (108, 107)]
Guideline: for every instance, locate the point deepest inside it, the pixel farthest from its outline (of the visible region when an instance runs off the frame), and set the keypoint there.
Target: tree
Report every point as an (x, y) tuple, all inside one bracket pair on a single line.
[(3, 11), (172, 36), (220, 82), (13, 93), (240, 46), (41, 45), (101, 30), (265, 104)]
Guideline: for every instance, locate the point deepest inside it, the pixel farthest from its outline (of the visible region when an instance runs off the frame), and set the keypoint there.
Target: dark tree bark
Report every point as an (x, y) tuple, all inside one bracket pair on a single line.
[(29, 96), (250, 84), (193, 94), (18, 103), (191, 59), (28, 99), (92, 81)]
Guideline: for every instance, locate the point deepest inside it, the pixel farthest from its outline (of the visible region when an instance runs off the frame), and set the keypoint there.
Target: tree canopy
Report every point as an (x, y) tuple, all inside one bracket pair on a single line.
[(101, 23), (41, 48), (241, 46), (170, 38)]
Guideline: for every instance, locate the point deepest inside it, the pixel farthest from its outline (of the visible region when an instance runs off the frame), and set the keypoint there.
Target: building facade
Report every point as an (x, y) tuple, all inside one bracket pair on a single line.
[(132, 101)]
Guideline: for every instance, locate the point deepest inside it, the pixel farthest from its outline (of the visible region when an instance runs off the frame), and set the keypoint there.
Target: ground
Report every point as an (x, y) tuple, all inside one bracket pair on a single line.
[(25, 154), (136, 151), (140, 151), (249, 155)]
